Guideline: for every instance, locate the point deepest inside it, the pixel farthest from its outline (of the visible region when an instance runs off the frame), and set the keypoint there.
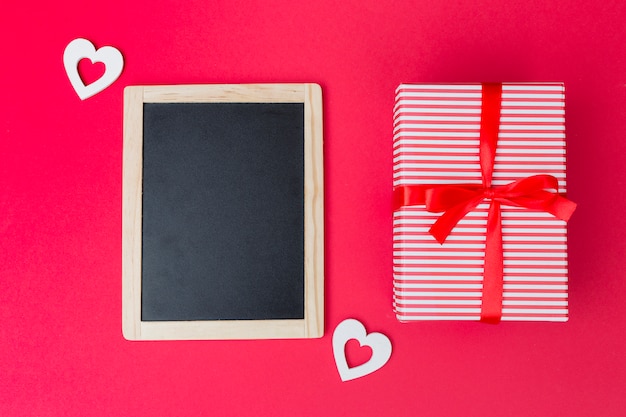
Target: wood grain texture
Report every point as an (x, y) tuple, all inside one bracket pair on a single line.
[(226, 93), (314, 211), (313, 323), (131, 212)]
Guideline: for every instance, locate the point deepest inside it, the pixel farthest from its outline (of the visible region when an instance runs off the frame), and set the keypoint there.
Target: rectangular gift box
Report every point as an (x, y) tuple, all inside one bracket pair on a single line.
[(436, 141)]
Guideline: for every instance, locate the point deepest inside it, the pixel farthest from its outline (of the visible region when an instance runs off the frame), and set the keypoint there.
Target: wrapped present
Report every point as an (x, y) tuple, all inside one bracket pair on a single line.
[(479, 229)]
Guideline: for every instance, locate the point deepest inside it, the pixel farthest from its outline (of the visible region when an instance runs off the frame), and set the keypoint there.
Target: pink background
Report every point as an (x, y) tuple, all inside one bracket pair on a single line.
[(61, 347)]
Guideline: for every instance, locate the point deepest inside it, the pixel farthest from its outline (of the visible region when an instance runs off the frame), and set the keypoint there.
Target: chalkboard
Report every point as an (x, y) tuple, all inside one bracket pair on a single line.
[(222, 212)]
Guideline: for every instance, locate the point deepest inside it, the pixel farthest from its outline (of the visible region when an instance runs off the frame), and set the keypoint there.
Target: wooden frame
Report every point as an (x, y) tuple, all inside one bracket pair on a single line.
[(313, 323)]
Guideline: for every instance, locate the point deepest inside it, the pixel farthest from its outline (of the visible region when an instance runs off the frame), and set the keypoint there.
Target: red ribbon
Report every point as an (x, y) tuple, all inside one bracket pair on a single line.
[(456, 200)]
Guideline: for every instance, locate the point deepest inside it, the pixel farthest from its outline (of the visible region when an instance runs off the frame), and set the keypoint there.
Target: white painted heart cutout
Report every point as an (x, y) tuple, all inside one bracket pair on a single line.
[(80, 49), (353, 329)]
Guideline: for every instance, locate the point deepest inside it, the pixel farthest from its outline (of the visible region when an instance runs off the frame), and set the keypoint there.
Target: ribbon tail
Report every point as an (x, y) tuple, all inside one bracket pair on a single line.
[(562, 208), (449, 219), (493, 277)]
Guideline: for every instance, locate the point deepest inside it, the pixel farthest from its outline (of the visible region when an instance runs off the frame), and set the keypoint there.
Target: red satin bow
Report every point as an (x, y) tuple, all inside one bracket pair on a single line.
[(456, 200)]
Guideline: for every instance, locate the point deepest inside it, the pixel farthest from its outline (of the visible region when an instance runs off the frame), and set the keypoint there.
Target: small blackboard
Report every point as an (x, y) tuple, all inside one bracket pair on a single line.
[(223, 212)]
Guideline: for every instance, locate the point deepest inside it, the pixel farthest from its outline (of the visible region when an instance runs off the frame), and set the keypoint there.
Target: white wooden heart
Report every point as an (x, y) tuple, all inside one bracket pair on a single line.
[(353, 329), (80, 49)]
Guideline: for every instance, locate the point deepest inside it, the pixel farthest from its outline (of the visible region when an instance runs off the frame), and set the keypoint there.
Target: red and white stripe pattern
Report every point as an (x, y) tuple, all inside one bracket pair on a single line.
[(436, 135)]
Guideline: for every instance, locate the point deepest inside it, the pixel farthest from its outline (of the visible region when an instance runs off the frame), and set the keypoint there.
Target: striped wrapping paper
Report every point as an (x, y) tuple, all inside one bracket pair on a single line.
[(436, 141)]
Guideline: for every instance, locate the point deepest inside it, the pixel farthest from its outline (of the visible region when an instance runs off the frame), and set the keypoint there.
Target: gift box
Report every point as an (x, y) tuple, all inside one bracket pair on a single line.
[(479, 226)]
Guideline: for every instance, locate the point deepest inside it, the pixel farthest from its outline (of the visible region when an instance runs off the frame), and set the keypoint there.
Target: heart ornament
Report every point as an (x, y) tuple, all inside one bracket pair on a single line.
[(353, 329), (80, 49)]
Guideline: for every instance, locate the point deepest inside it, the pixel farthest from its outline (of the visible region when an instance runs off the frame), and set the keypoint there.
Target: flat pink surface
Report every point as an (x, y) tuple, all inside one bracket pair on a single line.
[(61, 347)]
